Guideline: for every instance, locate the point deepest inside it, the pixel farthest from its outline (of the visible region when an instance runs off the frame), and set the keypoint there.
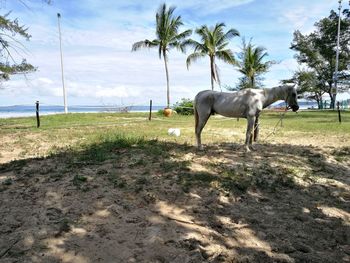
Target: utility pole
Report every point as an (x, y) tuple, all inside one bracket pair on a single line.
[(335, 91), (64, 89)]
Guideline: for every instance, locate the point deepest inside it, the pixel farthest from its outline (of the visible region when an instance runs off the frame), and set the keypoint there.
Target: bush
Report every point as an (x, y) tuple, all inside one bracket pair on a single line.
[(184, 107)]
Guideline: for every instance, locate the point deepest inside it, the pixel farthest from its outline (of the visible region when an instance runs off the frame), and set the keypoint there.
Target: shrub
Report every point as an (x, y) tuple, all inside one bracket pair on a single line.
[(184, 107)]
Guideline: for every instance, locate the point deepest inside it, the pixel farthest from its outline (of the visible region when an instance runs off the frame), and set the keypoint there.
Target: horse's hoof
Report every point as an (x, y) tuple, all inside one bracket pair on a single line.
[(247, 149), (200, 148), (252, 148)]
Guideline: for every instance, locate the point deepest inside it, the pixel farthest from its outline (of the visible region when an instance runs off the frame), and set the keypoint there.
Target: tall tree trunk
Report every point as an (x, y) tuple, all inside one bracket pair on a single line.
[(167, 79), (212, 72), (252, 84), (332, 105), (320, 102)]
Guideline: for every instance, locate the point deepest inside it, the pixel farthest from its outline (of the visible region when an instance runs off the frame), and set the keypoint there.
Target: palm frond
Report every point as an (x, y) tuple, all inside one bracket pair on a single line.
[(144, 44), (181, 36), (222, 46), (218, 29), (231, 33), (160, 51), (203, 32), (252, 64), (217, 75), (226, 56), (194, 57), (191, 43)]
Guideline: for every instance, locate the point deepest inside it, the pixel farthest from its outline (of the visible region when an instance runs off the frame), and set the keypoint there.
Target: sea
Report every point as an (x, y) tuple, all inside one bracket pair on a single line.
[(30, 110)]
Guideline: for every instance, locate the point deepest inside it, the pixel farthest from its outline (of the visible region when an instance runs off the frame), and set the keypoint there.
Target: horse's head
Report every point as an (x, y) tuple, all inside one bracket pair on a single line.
[(291, 98)]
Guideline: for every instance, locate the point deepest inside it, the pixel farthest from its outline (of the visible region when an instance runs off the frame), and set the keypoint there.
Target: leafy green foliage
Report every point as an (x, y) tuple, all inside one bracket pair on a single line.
[(105, 145), (213, 43), (184, 107), (317, 50), (9, 29), (252, 64)]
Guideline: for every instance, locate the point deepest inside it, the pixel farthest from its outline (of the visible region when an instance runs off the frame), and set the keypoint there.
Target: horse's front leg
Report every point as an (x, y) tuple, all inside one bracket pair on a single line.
[(250, 127)]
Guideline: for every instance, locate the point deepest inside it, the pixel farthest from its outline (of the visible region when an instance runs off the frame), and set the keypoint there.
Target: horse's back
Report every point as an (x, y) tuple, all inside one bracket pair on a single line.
[(204, 93), (230, 104)]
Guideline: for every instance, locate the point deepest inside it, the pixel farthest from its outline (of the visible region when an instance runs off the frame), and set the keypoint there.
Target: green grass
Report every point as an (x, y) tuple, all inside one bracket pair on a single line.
[(102, 134), (301, 121)]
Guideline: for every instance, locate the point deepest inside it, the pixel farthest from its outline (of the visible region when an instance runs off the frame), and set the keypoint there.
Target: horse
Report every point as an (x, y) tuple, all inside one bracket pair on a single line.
[(246, 103)]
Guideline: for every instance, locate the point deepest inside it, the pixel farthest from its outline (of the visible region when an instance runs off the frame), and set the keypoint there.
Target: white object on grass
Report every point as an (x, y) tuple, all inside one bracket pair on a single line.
[(174, 132)]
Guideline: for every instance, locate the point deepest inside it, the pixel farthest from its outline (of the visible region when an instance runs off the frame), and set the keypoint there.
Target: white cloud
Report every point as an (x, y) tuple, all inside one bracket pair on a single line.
[(210, 6), (301, 15), (100, 68)]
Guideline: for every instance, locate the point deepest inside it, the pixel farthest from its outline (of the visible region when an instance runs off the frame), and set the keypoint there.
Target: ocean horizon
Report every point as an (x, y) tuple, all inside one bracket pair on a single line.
[(30, 110)]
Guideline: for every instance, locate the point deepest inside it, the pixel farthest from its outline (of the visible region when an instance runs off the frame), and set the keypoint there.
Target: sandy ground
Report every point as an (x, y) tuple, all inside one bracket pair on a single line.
[(167, 202)]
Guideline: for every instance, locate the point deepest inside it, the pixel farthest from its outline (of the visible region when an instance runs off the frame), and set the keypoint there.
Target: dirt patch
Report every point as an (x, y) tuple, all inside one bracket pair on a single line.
[(167, 202)]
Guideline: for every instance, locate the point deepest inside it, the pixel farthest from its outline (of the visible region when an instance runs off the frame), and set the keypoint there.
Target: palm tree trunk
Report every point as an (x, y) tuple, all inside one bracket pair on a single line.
[(167, 79), (212, 72)]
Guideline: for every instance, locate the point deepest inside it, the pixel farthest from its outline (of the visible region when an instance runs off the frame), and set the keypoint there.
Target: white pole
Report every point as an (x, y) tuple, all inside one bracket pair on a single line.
[(337, 57), (64, 89)]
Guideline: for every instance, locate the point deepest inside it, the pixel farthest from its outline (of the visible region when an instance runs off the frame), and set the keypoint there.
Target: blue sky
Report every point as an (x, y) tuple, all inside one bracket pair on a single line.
[(97, 36)]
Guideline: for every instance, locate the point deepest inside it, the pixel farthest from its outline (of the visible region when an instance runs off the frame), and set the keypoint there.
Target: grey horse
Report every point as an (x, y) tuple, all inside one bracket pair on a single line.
[(247, 103)]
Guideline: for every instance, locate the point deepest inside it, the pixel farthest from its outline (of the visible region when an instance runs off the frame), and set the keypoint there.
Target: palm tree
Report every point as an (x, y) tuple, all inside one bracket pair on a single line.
[(213, 43), (252, 65), (168, 37)]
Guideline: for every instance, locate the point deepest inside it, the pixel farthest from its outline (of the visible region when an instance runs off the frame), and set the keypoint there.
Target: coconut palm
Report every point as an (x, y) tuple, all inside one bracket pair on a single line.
[(213, 43), (252, 65), (168, 37)]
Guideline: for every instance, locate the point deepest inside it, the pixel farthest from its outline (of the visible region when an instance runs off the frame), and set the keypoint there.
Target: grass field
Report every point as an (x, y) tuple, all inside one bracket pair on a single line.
[(116, 188)]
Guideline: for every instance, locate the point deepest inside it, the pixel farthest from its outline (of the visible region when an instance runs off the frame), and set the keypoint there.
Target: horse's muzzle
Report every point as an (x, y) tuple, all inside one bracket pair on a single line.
[(295, 108)]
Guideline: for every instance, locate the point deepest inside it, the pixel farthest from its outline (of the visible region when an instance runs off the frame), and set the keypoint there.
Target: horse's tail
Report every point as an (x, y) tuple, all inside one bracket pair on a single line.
[(196, 117)]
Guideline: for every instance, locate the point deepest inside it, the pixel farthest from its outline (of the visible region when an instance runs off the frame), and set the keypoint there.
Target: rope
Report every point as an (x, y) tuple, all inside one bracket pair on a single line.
[(274, 128)]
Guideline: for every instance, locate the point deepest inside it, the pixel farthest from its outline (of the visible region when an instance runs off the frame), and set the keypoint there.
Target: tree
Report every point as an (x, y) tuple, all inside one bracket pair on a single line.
[(9, 30), (317, 50), (213, 43), (168, 37), (184, 107), (252, 64)]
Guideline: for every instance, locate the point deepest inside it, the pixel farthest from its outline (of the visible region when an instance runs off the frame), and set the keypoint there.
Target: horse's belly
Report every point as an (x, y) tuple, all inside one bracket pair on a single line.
[(236, 112)]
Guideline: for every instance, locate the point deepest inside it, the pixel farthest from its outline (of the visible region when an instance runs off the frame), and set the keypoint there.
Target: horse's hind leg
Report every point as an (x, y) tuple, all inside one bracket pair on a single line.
[(201, 119), (256, 129), (250, 126)]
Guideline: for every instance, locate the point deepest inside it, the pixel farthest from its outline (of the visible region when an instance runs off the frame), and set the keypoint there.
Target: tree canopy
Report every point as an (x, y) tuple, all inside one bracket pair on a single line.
[(214, 42), (252, 64), (317, 50), (10, 30)]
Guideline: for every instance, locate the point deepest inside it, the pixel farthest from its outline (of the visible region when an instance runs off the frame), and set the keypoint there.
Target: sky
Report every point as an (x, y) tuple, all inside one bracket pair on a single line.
[(100, 69)]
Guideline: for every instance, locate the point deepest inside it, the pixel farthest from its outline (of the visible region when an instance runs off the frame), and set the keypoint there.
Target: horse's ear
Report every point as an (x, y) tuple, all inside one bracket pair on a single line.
[(296, 87)]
